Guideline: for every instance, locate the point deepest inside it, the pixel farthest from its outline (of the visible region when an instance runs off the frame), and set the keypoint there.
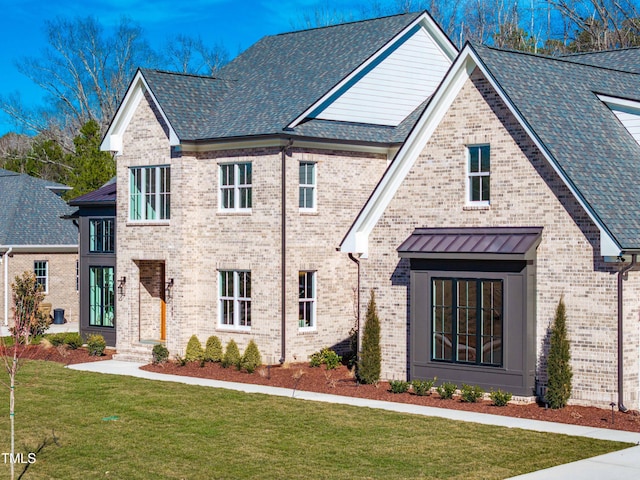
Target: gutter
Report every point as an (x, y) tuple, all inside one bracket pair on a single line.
[(5, 258), (283, 252), (622, 273)]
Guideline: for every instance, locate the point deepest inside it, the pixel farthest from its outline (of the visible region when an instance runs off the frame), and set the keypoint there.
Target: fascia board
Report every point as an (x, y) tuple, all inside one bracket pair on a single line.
[(623, 103), (41, 248), (424, 20)]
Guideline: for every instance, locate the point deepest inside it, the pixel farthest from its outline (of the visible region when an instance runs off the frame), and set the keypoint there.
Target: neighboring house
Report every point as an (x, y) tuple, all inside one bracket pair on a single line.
[(234, 192), (516, 188), (96, 216), (34, 237)]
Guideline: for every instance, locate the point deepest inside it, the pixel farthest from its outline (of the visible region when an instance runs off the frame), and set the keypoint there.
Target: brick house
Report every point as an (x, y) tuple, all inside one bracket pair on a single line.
[(34, 237), (233, 192), (515, 188)]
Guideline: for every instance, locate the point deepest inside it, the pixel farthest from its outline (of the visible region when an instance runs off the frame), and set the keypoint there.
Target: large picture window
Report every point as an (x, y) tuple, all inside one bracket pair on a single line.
[(307, 189), (467, 320), (479, 174), (150, 193), (307, 300), (235, 299), (101, 235), (101, 296), (235, 186), (41, 270)]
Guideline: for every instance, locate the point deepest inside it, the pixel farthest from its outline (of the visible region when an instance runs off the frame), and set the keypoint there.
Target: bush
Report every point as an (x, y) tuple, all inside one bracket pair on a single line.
[(370, 358), (56, 339), (96, 345), (194, 353), (446, 390), (399, 386), (73, 340), (422, 387), (326, 357), (159, 354), (180, 360), (559, 372), (471, 394), (500, 398), (231, 355), (251, 358), (213, 350)]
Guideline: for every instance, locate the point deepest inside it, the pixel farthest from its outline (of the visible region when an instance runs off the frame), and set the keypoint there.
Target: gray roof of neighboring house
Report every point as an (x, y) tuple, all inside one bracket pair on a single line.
[(558, 100), (31, 212), (626, 59), (265, 88)]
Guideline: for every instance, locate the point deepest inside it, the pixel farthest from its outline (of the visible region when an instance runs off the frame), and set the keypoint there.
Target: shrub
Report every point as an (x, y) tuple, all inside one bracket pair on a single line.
[(56, 339), (231, 355), (251, 358), (194, 353), (422, 387), (446, 390), (326, 357), (559, 372), (471, 394), (213, 350), (370, 358), (96, 345), (500, 398), (180, 360), (399, 386), (159, 354), (73, 340)]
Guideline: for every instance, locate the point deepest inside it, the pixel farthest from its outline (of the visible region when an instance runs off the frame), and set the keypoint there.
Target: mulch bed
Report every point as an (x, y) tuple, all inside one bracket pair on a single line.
[(341, 382), (62, 354)]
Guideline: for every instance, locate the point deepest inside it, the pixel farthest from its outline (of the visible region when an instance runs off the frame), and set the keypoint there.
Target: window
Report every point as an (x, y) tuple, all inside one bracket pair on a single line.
[(101, 235), (307, 303), (479, 174), (150, 193), (235, 299), (235, 186), (41, 269), (307, 199), (101, 296), (466, 320)]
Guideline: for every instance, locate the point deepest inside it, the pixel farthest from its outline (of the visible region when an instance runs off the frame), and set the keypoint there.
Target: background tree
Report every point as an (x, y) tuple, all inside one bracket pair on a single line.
[(369, 365), (559, 372)]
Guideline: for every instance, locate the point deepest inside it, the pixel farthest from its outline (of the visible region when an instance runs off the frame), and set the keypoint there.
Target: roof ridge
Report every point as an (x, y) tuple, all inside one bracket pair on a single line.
[(183, 74), (595, 52)]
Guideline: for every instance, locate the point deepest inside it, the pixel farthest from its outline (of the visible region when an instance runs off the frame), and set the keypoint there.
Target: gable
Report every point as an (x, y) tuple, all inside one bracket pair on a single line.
[(627, 111)]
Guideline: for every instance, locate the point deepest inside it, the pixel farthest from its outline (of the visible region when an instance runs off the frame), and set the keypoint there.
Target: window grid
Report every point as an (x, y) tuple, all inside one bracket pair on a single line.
[(236, 186), (479, 174), (150, 193), (235, 299), (307, 189), (101, 296), (41, 270), (307, 299), (101, 235)]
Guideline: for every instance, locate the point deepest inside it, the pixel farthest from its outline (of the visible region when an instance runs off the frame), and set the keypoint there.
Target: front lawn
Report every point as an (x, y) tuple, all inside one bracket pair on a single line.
[(117, 427)]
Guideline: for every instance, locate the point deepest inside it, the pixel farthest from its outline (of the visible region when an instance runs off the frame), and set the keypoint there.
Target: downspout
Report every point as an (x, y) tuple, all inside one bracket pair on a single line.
[(357, 262), (621, 273), (283, 252), (6, 286)]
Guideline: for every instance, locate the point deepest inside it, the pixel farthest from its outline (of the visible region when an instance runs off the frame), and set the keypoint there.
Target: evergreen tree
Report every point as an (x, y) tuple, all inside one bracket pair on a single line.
[(559, 372), (370, 357), (251, 358), (213, 350), (194, 353)]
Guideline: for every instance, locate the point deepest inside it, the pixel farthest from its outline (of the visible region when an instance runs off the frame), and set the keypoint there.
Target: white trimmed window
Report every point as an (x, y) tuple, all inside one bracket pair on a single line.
[(307, 300), (479, 172), (307, 188), (235, 187), (41, 269), (235, 299), (150, 193)]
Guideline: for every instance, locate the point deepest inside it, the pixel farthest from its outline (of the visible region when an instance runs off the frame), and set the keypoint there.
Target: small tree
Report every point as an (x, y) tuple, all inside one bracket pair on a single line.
[(213, 350), (370, 356), (559, 372), (231, 355), (194, 353), (27, 296), (251, 358)]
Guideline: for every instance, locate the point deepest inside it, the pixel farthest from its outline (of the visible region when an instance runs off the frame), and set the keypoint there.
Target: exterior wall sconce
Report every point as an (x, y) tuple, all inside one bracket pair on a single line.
[(121, 284), (169, 287)]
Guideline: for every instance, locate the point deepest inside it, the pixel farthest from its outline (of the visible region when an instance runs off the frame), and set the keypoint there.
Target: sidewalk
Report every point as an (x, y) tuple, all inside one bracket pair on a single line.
[(624, 464), (53, 328)]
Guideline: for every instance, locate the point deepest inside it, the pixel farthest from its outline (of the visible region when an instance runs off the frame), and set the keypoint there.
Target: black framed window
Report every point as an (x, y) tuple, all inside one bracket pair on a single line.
[(101, 235), (467, 320)]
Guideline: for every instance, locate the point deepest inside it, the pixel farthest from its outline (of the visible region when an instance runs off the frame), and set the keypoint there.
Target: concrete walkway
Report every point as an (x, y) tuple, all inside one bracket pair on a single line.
[(624, 464)]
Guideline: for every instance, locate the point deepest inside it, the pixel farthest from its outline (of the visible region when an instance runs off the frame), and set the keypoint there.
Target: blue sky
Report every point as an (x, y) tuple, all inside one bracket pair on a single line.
[(235, 24)]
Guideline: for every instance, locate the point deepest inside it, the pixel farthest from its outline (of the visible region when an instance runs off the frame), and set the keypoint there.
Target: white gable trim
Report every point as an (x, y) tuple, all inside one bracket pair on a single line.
[(112, 141), (627, 112), (357, 238), (424, 21)]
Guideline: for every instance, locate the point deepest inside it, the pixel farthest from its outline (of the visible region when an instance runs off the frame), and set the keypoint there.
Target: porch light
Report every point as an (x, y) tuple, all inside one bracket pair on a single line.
[(121, 284), (169, 287)]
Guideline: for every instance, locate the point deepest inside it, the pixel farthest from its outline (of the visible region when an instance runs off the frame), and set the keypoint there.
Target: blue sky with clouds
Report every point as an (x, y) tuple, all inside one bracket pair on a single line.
[(234, 24)]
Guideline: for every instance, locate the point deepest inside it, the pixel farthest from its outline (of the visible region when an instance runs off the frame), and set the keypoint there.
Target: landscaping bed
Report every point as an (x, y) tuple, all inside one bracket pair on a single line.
[(63, 354), (341, 382)]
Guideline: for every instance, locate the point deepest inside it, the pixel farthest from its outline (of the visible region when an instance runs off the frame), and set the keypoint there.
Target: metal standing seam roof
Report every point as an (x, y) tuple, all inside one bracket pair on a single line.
[(507, 241), (105, 195)]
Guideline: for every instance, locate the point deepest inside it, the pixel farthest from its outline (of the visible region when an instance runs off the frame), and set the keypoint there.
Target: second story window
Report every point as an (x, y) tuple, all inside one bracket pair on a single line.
[(101, 235), (150, 193), (479, 174), (307, 193), (235, 186)]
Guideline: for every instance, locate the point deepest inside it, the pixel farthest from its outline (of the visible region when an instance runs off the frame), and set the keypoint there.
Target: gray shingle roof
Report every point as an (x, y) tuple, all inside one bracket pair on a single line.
[(270, 84), (626, 60), (30, 213), (558, 100)]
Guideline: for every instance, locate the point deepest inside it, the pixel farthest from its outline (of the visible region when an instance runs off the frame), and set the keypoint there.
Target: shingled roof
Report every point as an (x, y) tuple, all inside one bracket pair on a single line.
[(625, 60), (31, 212), (265, 88), (559, 101)]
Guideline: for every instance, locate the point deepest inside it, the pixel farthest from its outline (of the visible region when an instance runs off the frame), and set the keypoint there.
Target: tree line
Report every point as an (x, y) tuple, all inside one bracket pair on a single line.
[(85, 69)]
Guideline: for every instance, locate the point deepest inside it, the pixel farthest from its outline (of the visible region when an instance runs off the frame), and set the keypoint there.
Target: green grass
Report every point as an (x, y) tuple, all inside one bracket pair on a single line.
[(168, 430)]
